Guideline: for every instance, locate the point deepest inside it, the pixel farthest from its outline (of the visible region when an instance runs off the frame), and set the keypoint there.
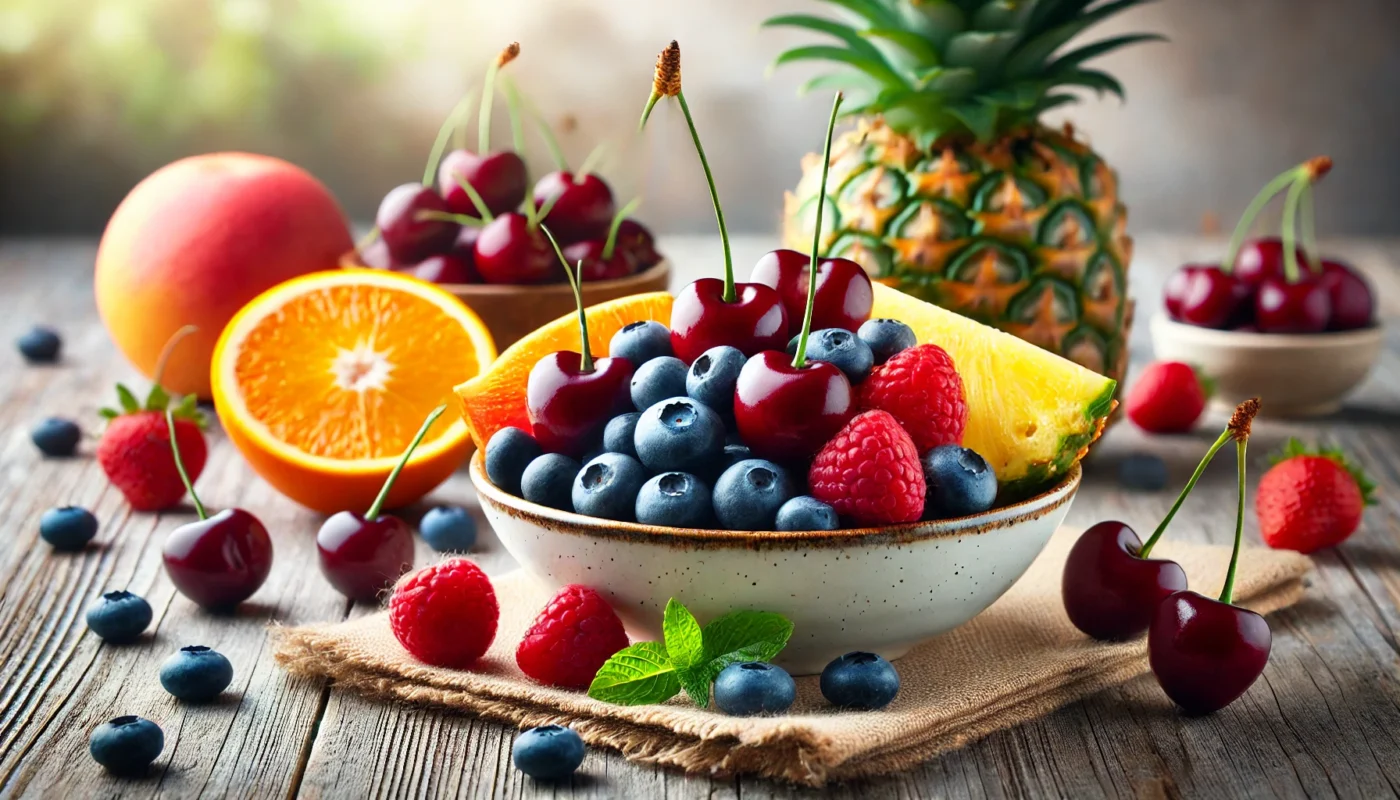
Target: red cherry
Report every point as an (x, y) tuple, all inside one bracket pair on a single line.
[(509, 250), (584, 208), (220, 561), (1262, 258), (1214, 299), (376, 255), (701, 319), (1177, 286), (595, 266), (1283, 307), (1109, 592), (500, 179), (1206, 653), (634, 240), (844, 294), (362, 557), (568, 405), (444, 268), (787, 413), (408, 236), (1353, 304)]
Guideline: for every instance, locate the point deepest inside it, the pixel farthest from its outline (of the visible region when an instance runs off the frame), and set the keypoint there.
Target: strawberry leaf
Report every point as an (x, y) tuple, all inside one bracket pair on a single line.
[(157, 399), (1207, 383), (108, 413), (130, 404)]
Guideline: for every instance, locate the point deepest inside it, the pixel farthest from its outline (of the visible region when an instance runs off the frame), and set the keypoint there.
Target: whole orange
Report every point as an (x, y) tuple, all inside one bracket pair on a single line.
[(199, 238)]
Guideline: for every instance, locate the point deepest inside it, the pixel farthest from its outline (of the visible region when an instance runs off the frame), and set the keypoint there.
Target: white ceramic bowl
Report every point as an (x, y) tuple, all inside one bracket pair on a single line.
[(877, 589), (1296, 375)]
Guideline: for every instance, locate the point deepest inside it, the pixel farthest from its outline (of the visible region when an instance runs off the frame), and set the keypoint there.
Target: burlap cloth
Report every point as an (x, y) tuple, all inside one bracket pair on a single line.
[(1018, 660)]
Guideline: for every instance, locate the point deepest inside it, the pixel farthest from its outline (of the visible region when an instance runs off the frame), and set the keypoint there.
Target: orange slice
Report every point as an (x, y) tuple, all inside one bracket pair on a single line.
[(321, 382), (495, 399)]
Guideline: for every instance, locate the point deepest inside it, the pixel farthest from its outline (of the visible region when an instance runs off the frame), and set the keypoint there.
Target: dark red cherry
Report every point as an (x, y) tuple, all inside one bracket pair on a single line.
[(637, 243), (376, 255), (584, 208), (1109, 592), (500, 178), (1283, 307), (444, 268), (362, 557), (1262, 258), (509, 250), (220, 561), (1177, 286), (569, 406), (409, 236), (1206, 653), (787, 413), (844, 295), (1214, 299), (701, 319), (595, 266), (1353, 304)]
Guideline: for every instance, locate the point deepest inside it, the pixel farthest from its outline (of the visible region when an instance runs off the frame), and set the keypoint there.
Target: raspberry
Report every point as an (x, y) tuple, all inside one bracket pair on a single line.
[(922, 389), (445, 615), (870, 472), (571, 639)]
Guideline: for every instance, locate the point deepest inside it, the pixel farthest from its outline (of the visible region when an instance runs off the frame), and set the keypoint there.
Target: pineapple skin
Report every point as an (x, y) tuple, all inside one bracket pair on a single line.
[(1025, 233)]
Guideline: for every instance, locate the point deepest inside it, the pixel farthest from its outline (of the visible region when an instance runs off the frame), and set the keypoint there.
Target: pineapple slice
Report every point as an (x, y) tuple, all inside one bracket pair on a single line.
[(1031, 414)]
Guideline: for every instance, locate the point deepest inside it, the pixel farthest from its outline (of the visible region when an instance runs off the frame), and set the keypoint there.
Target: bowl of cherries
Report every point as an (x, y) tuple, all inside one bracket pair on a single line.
[(1274, 318), (474, 225)]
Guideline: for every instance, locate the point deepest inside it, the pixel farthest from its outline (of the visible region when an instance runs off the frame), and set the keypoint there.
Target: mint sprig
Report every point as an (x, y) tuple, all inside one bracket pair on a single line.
[(691, 656)]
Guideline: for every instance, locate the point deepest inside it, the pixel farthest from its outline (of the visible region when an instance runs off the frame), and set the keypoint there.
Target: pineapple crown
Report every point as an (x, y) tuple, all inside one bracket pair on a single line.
[(949, 68)]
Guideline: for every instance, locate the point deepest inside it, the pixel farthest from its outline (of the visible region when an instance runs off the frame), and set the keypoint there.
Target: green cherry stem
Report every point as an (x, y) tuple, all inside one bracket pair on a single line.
[(1228, 591), (488, 97), (452, 123), (1290, 229), (1270, 190), (448, 216), (477, 202), (517, 120), (180, 465), (591, 161), (1307, 222), (378, 504), (585, 352), (367, 240), (168, 349), (800, 358), (1181, 498), (551, 142), (610, 244)]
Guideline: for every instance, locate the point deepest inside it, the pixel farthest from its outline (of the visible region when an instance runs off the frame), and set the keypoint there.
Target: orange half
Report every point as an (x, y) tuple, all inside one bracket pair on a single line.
[(322, 382)]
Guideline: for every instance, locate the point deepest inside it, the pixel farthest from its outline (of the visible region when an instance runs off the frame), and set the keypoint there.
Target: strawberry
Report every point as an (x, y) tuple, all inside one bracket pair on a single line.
[(571, 639), (870, 472), (1311, 499), (922, 390), (1168, 397), (135, 448)]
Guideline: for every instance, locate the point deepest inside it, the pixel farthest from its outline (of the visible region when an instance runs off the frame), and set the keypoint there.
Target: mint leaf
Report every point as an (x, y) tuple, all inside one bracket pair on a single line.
[(696, 682), (637, 675), (683, 636), (127, 399), (744, 636)]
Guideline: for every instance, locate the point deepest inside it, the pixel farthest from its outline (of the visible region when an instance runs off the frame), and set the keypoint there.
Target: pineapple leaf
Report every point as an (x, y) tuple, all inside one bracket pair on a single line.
[(1002, 15), (1019, 96), (936, 20), (845, 33), (1090, 78), (874, 67), (980, 50), (1053, 101), (856, 81), (1031, 56), (130, 404), (949, 82), (1076, 57), (979, 117), (912, 43), (872, 11)]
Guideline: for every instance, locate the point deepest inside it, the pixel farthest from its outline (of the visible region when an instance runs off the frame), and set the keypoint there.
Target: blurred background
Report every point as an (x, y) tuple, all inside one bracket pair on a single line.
[(95, 94)]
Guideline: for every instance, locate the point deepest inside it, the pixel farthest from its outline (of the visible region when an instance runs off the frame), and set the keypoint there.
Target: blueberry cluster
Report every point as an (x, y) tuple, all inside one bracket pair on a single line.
[(857, 680)]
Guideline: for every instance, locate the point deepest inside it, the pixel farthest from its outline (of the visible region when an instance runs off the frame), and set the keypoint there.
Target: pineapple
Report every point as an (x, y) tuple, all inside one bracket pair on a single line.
[(950, 189)]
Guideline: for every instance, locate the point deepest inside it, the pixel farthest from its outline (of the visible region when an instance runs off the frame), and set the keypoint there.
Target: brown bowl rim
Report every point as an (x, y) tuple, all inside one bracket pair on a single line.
[(351, 260)]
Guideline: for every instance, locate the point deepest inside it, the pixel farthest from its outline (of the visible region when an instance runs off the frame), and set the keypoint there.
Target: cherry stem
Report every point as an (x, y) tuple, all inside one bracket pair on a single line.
[(1270, 190), (551, 142), (475, 197), (1227, 593), (1190, 484), (488, 99), (169, 348), (517, 120), (585, 352), (800, 359), (367, 239), (610, 244), (1290, 229), (378, 504), (452, 123), (448, 216), (1308, 220), (545, 207), (180, 465)]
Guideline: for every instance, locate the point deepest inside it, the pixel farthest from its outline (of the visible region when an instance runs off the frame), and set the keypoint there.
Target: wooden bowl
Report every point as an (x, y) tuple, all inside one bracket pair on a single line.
[(512, 312)]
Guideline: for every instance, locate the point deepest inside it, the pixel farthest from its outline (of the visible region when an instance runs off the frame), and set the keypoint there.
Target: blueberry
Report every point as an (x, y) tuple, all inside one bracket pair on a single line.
[(960, 483), (39, 345), (547, 753), (679, 435), (619, 432), (804, 513), (196, 674), (712, 377), (859, 680), (843, 350), (677, 499), (749, 494), (754, 687), (508, 453), (68, 528), (119, 617), (640, 342), (1142, 472), (607, 487), (56, 437), (657, 380), (549, 481), (448, 529), (886, 337), (126, 745)]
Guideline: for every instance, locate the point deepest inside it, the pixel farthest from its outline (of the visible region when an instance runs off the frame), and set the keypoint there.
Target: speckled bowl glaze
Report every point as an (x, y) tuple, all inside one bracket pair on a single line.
[(876, 589)]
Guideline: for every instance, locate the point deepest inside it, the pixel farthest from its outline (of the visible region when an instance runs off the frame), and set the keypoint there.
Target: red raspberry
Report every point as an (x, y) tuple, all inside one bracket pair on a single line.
[(922, 389), (870, 472), (571, 639), (445, 615)]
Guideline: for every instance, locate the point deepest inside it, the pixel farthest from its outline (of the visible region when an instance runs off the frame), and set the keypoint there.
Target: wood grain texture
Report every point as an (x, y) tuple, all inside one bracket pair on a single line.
[(1323, 722)]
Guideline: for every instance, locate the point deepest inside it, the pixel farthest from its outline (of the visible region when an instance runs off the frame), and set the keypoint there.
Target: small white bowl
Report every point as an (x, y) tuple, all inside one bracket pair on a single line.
[(1295, 375), (877, 589)]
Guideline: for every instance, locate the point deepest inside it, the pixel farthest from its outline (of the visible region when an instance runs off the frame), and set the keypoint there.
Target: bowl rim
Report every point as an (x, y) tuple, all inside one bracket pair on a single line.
[(351, 260), (1062, 492), (1326, 339)]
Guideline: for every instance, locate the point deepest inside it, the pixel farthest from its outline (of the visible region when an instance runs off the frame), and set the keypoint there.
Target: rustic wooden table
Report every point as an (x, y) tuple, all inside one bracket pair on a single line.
[(1323, 721)]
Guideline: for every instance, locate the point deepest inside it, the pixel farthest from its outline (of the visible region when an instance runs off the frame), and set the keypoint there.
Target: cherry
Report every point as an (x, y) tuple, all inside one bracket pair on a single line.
[(362, 555), (219, 561), (444, 268), (510, 249), (638, 244), (1283, 307), (407, 231), (1206, 653), (594, 265), (376, 255), (844, 295), (1176, 287), (1262, 258), (569, 396), (500, 179), (582, 205), (1353, 304), (1213, 298)]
